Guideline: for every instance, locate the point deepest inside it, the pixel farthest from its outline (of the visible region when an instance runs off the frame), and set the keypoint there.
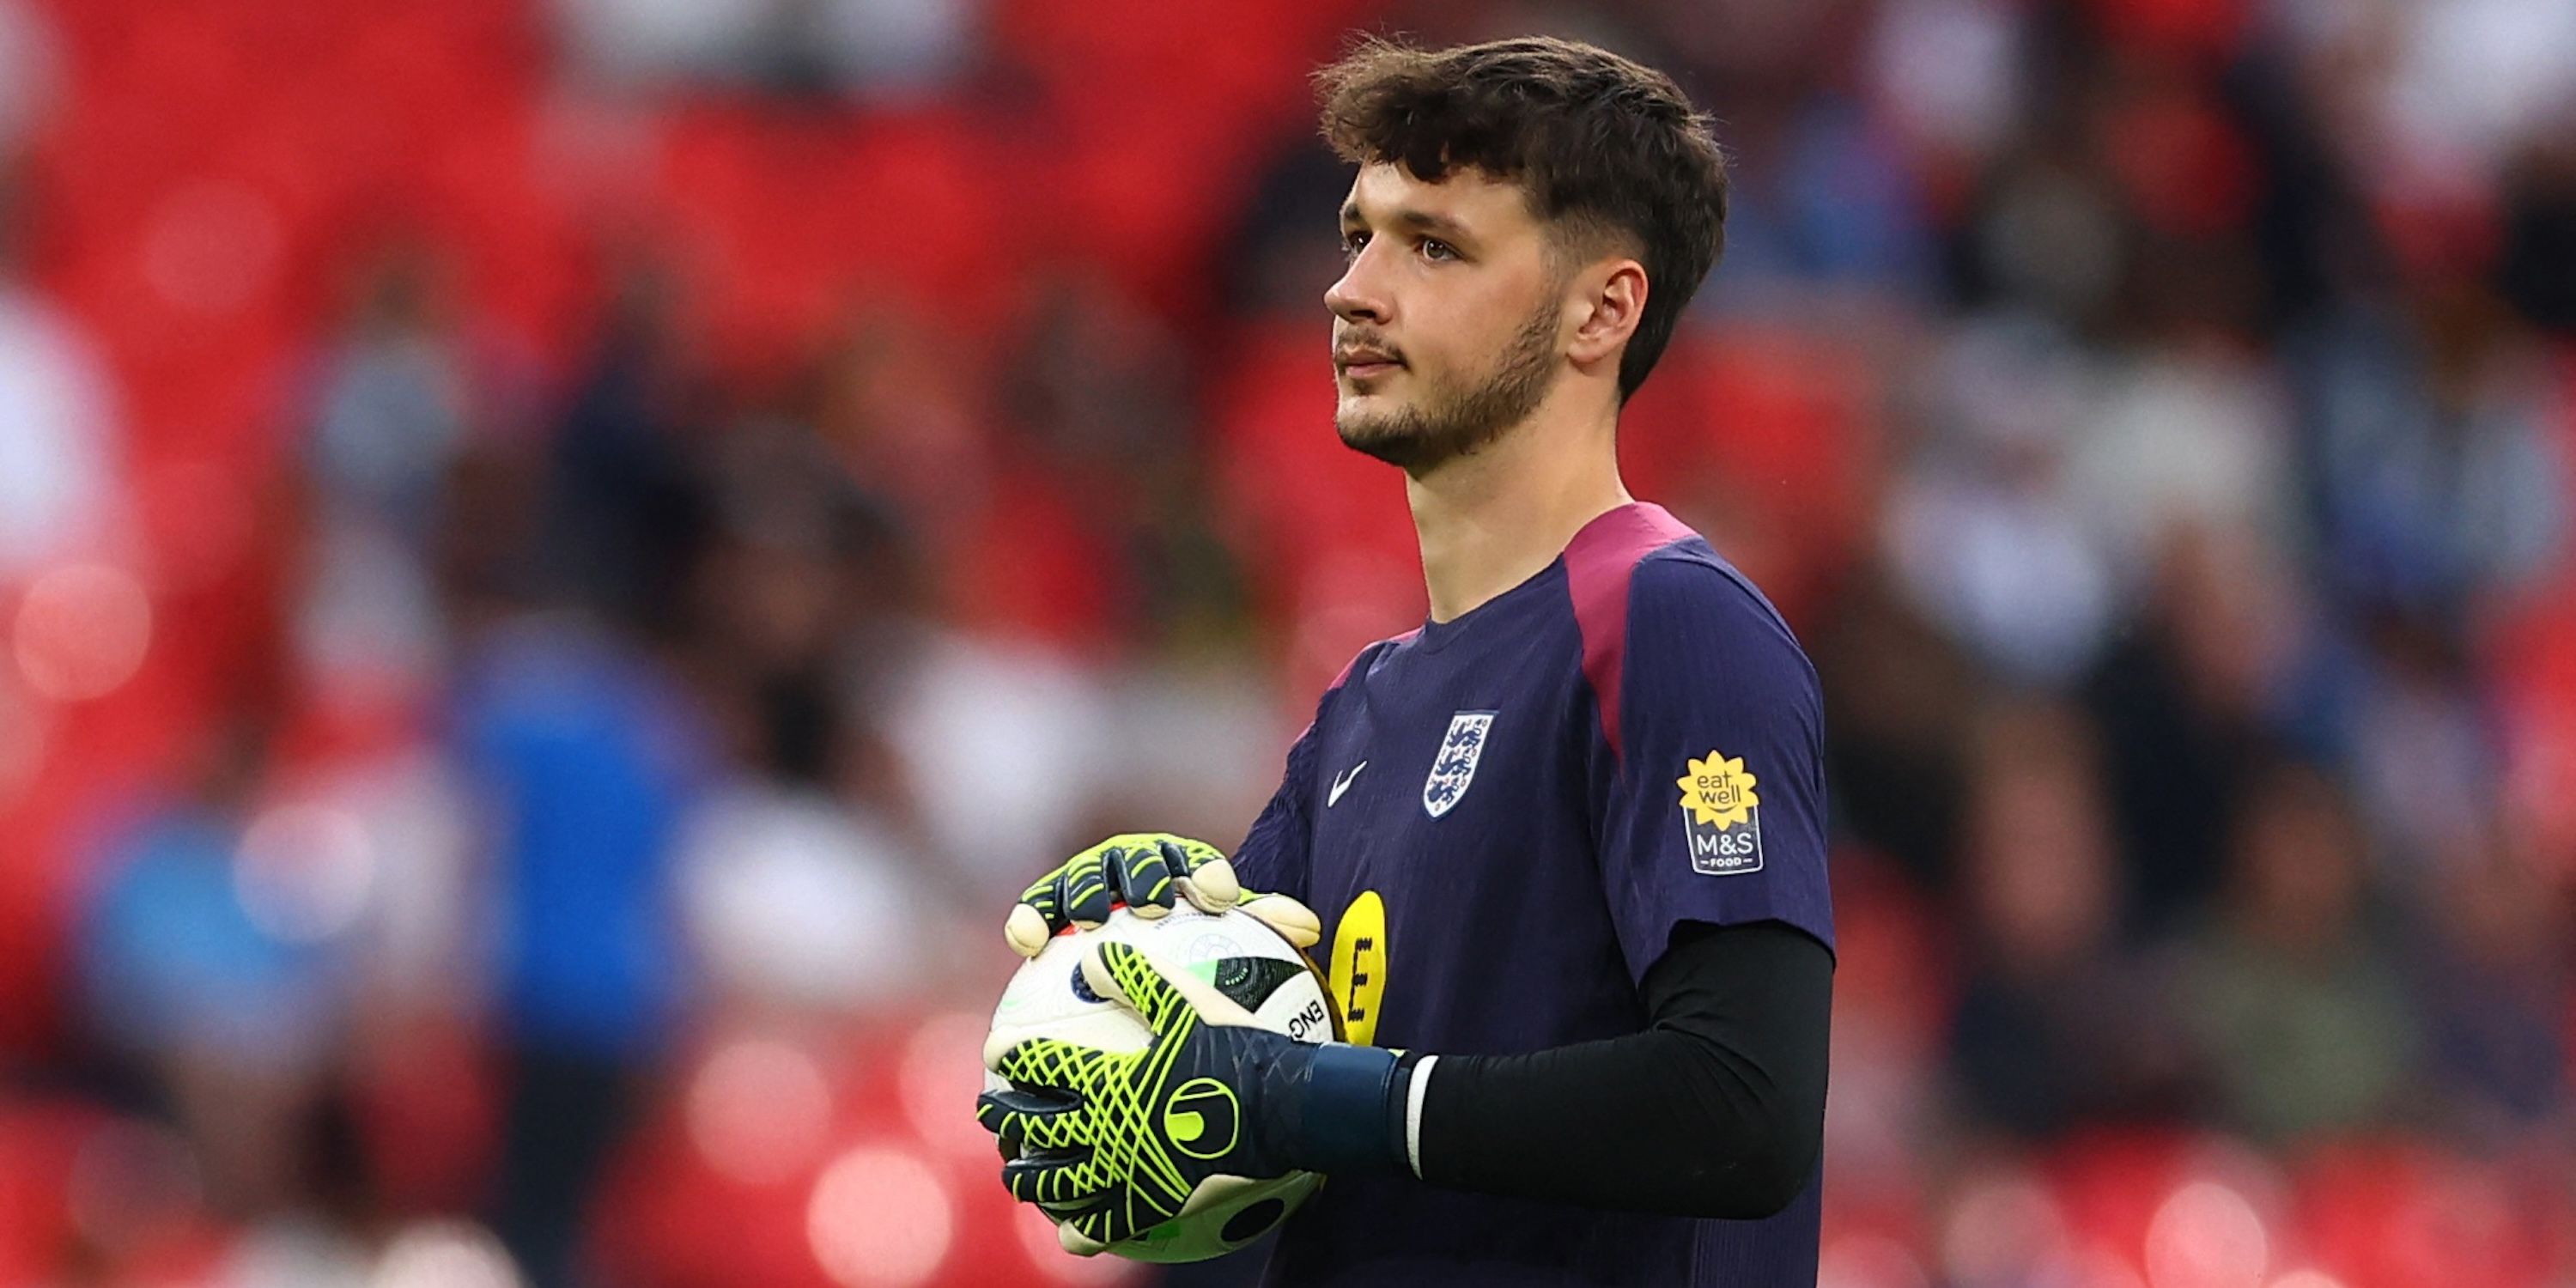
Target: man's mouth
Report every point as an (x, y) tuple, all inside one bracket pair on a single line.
[(1362, 364)]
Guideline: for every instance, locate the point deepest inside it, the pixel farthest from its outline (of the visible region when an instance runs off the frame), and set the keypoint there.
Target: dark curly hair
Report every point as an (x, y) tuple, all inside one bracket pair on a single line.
[(1608, 151)]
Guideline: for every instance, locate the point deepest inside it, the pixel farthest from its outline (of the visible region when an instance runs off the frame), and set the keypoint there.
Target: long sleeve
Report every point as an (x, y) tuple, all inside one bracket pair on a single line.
[(1717, 1110)]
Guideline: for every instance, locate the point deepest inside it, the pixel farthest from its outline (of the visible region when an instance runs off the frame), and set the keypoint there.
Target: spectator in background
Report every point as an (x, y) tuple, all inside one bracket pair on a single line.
[(884, 50), (225, 1014), (2293, 989), (396, 396), (396, 402), (2438, 468), (797, 902), (584, 758), (803, 879), (1901, 702), (60, 447), (1096, 399), (62, 501), (29, 73), (2536, 268), (624, 512), (974, 590), (1822, 215), (2188, 702), (1986, 531), (2492, 975), (2057, 1026)]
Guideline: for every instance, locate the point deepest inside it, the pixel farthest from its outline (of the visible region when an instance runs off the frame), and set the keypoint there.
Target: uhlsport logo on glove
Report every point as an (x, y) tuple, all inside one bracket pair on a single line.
[(1202, 1118)]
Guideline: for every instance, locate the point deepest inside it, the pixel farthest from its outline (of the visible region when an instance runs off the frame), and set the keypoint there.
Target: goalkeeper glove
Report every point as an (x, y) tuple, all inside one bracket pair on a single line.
[(1112, 1144), (1145, 870)]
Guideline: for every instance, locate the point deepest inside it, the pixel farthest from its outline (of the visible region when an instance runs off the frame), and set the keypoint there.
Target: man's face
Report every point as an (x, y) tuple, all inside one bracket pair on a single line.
[(1446, 324)]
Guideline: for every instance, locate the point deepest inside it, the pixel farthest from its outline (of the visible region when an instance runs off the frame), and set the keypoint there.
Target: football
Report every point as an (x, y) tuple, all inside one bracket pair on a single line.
[(1242, 958)]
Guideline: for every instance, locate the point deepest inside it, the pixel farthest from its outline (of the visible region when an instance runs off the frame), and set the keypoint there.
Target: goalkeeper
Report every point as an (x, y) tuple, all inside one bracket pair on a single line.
[(1563, 846)]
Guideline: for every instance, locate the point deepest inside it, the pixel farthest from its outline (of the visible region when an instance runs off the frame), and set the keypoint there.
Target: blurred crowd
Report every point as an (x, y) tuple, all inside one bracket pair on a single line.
[(560, 564)]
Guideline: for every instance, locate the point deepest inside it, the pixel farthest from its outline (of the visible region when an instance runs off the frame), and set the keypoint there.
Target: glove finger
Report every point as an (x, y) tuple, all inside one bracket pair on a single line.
[(1027, 930), (1056, 1179), (1188, 856), (1022, 1118), (1103, 1227), (1144, 877), (1038, 915), (1036, 1159), (1085, 887), (1101, 1211), (1048, 1065), (1130, 1215), (1294, 921), (1073, 1240), (1207, 879), (1042, 894)]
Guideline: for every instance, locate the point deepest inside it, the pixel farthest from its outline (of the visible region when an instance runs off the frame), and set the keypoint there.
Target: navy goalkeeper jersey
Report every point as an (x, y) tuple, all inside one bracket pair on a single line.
[(1501, 819)]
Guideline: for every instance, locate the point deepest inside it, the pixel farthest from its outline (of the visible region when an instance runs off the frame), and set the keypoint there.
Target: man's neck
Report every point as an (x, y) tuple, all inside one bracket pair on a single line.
[(1492, 520)]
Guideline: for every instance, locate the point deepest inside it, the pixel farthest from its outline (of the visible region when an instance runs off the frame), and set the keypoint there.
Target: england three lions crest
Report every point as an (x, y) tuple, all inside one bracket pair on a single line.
[(1455, 767)]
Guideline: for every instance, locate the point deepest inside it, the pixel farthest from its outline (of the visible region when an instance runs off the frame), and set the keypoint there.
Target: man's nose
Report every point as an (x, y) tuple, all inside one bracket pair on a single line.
[(1357, 296)]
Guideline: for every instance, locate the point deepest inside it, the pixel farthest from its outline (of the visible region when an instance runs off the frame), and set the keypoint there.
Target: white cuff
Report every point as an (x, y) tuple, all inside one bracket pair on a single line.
[(1413, 1112)]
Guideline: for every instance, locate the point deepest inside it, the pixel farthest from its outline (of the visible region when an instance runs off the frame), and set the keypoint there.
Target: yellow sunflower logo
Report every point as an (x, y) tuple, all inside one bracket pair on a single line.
[(1718, 791)]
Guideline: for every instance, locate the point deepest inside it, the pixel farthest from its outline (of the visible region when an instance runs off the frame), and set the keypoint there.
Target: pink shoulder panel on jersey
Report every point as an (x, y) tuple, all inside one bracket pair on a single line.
[(1599, 563)]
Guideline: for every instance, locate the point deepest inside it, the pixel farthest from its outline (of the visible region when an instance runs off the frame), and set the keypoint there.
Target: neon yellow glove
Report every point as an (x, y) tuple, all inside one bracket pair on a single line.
[(1110, 1144), (1145, 871)]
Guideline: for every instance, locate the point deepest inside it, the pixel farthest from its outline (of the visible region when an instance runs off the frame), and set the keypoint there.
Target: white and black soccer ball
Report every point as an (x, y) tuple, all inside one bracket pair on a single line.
[(1242, 958)]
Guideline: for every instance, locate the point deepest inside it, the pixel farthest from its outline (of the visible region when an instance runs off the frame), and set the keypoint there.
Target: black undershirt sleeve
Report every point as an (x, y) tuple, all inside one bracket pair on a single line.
[(1716, 1110)]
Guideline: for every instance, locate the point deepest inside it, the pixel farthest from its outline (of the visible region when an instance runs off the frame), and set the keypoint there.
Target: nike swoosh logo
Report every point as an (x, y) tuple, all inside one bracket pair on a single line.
[(1343, 784)]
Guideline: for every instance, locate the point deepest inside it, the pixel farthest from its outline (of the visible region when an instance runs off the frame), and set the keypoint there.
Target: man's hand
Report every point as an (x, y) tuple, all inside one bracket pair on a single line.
[(1145, 871), (1112, 1144)]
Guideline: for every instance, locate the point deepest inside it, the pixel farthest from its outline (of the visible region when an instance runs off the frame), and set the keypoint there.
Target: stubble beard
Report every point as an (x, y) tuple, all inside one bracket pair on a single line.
[(1446, 422)]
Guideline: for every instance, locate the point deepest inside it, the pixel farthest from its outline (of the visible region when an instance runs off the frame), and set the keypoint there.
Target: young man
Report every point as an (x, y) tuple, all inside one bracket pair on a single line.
[(1568, 835)]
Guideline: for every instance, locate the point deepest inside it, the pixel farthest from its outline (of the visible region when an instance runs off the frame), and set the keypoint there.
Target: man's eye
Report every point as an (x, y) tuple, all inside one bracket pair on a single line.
[(1434, 248), (1352, 244)]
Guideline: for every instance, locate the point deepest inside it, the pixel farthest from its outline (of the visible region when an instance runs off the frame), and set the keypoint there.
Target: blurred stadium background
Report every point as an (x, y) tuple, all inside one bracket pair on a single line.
[(558, 563)]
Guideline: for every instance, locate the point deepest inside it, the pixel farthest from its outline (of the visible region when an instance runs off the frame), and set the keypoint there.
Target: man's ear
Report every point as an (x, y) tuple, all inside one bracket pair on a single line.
[(1612, 303)]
